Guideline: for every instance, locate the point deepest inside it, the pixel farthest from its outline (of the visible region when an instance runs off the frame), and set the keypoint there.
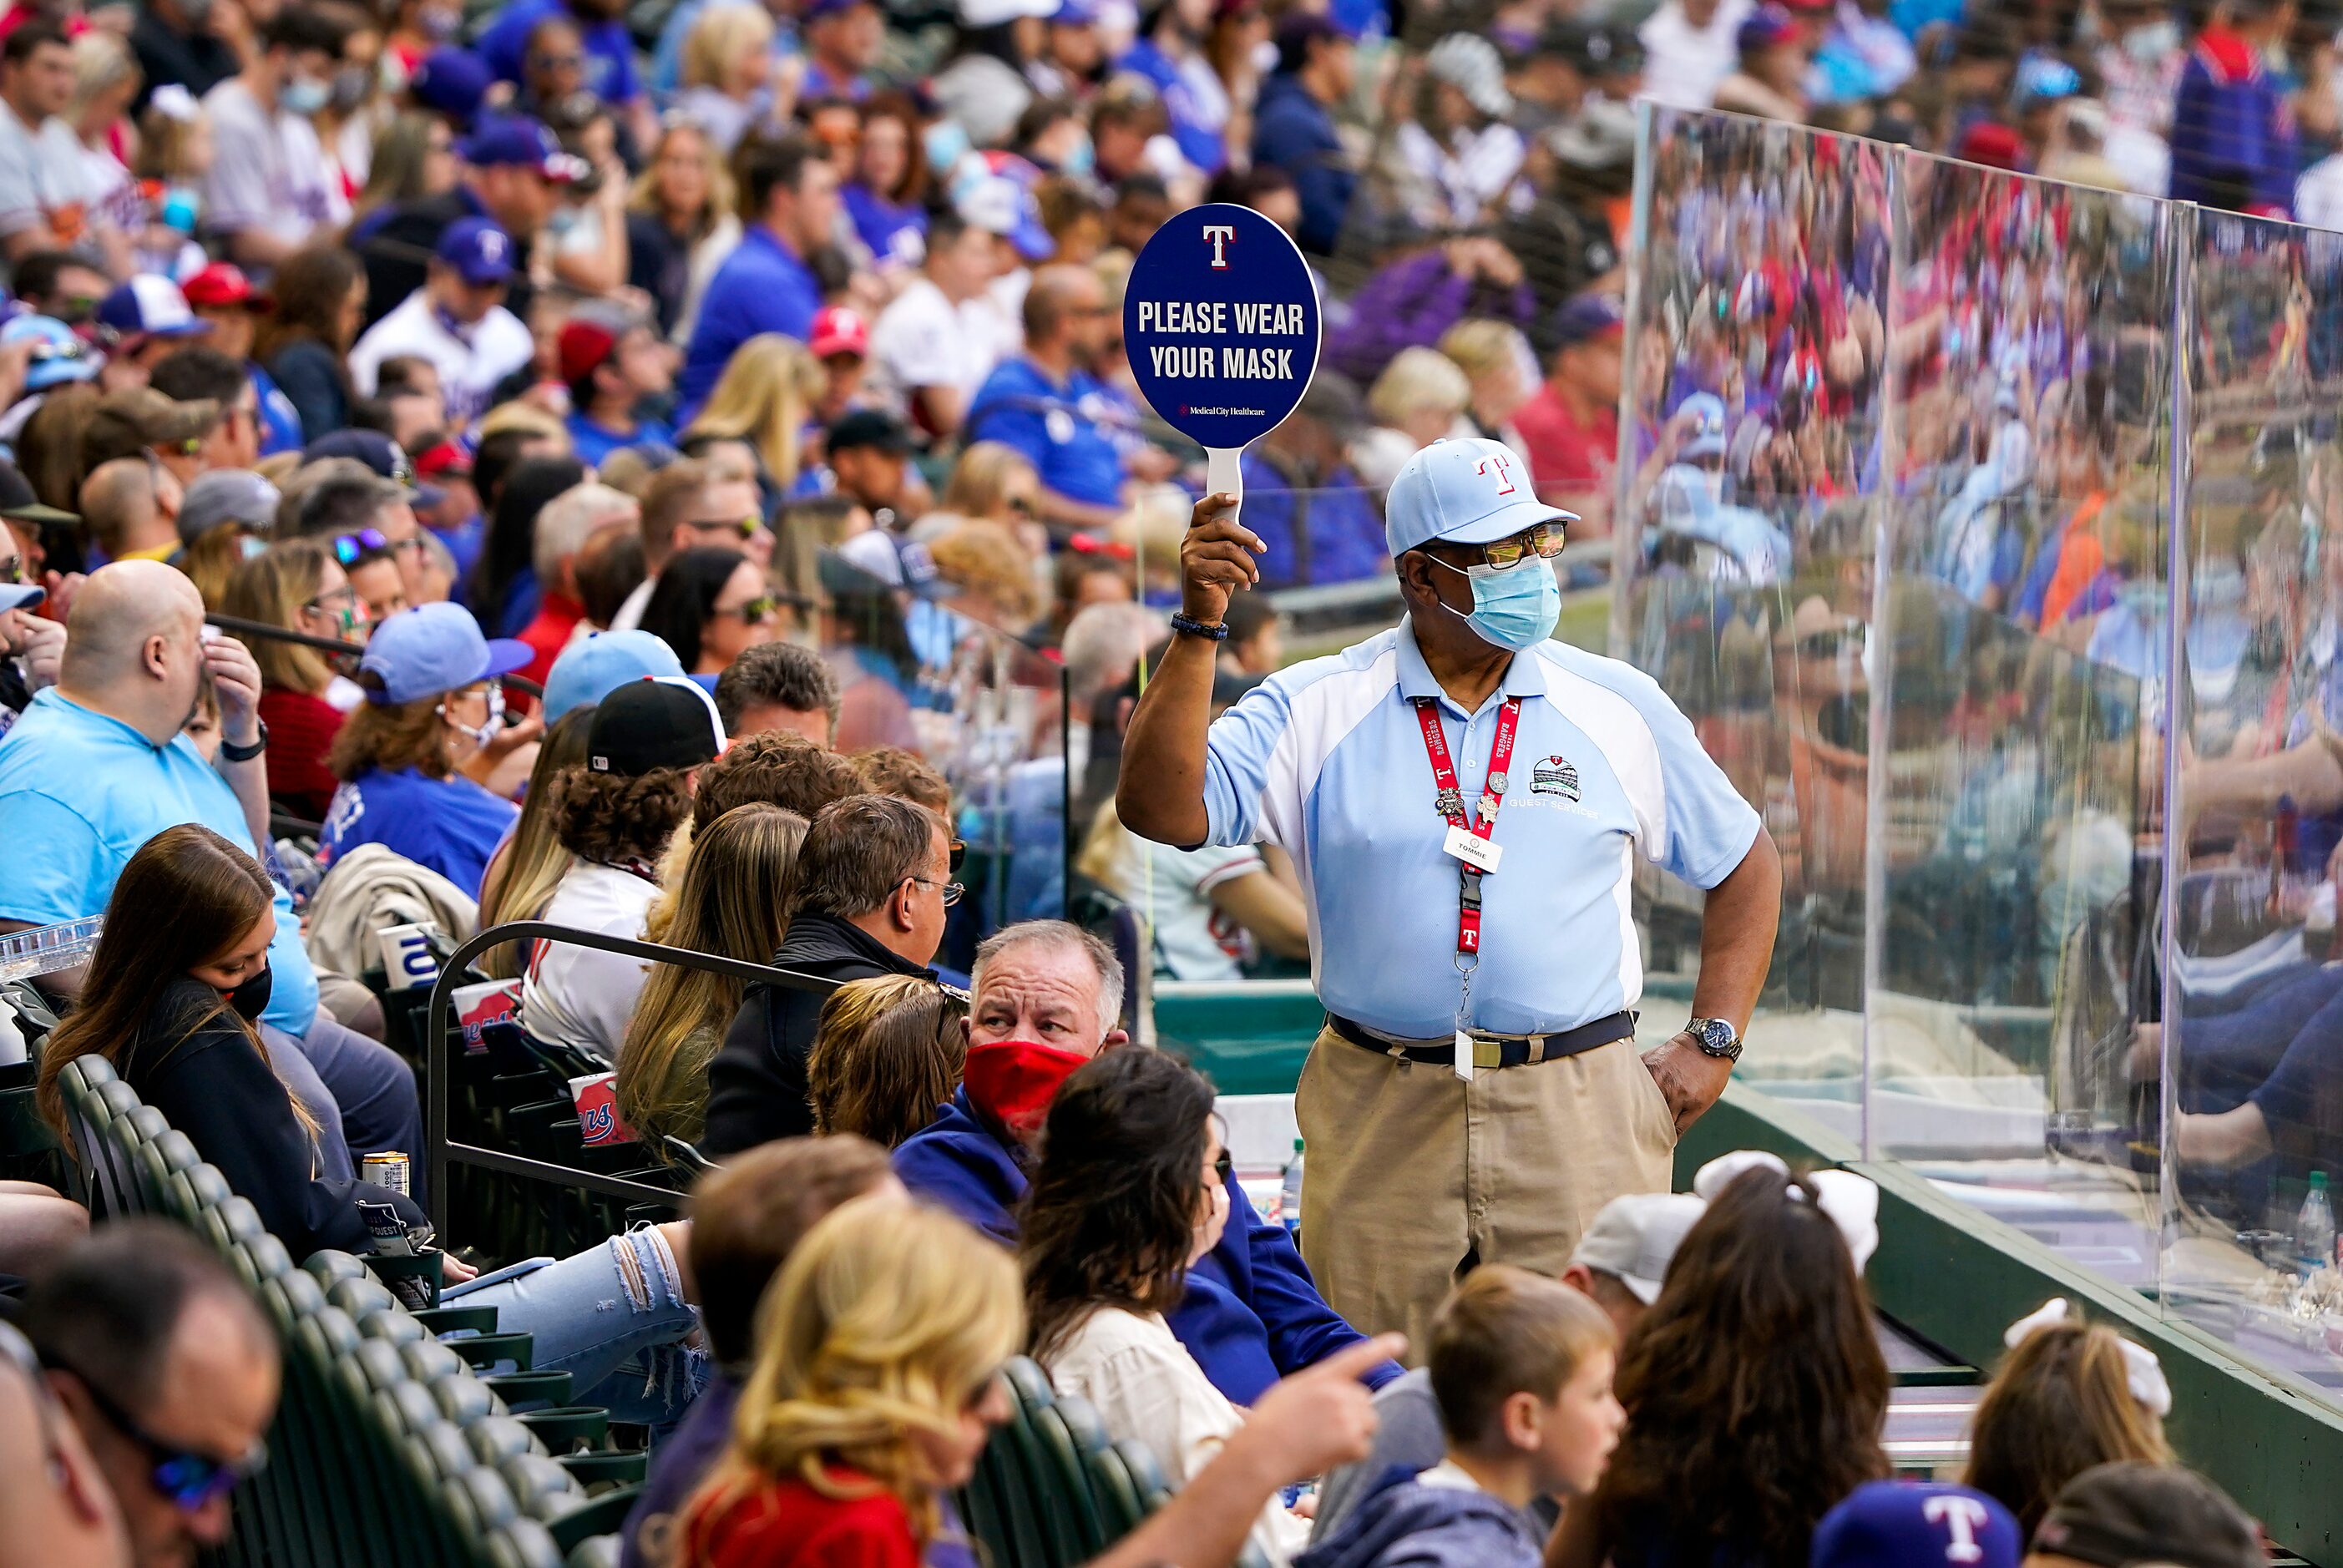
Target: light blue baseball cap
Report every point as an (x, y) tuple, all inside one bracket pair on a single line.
[(434, 649), (590, 670), (1463, 492)]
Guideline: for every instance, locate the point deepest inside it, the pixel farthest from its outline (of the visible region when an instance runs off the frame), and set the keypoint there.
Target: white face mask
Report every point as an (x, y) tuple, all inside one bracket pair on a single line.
[(487, 731), (2152, 45)]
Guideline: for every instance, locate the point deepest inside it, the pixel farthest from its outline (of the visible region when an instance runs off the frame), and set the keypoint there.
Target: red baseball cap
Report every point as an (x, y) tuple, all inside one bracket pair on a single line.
[(839, 330), (222, 286), (449, 457), (584, 347)]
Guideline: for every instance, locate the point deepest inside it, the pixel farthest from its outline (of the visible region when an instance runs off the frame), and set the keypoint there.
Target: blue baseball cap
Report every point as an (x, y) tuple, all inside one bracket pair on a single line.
[(479, 251), (451, 81), (150, 305), (1905, 1525), (434, 649), (1000, 203), (59, 355), (1467, 492), (516, 141), (1704, 411), (1585, 316), (378, 452), (590, 670)]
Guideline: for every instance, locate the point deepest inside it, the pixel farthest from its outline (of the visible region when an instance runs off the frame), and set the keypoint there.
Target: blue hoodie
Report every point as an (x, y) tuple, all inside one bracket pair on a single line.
[(1404, 1523), (1293, 130), (1250, 1314), (2230, 121)]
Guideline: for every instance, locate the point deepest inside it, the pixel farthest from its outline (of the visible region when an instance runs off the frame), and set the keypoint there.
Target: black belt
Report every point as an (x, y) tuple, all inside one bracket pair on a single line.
[(1490, 1052)]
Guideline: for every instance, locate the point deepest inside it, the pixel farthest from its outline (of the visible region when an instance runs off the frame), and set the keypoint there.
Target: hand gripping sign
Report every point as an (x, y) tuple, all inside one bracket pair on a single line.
[(1220, 324)]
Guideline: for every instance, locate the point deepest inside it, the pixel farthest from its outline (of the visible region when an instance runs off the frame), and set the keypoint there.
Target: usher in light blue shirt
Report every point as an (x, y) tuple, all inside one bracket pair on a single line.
[(1326, 759), (80, 793)]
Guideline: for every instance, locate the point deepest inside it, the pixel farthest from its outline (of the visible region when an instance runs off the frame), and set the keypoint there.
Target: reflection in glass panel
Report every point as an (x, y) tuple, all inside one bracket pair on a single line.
[(2255, 1029), (2032, 392), (1758, 345)]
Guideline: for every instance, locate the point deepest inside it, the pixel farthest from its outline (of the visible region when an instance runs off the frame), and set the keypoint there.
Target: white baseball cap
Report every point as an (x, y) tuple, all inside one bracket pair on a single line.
[(1635, 1236)]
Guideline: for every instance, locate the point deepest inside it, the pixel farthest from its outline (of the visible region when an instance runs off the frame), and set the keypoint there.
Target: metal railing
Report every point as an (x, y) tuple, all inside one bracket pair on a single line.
[(442, 1152)]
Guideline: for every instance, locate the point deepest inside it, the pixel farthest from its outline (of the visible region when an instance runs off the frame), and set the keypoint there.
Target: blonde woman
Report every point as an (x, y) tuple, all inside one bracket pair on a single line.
[(727, 73), (298, 585), (878, 1382), (1419, 397), (994, 574), (1496, 362), (763, 400), (737, 883), (996, 482), (680, 223), (888, 1053), (520, 878), (106, 79)]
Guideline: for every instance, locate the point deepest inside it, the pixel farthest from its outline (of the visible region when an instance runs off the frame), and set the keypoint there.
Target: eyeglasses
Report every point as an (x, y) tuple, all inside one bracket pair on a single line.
[(558, 62), (1543, 540), (192, 1481), (950, 891), (763, 607), (745, 526), (1224, 1166)]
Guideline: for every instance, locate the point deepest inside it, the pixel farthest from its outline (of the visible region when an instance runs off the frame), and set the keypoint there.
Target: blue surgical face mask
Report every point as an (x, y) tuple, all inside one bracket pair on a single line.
[(946, 143), (252, 546), (300, 95), (1515, 607), (1080, 158)]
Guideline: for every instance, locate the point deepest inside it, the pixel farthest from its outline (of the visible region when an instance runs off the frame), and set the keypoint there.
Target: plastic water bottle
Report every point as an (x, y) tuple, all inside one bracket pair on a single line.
[(2314, 1227), (1289, 1201)]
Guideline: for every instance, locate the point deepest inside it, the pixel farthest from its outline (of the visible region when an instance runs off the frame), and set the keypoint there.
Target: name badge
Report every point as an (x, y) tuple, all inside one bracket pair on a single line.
[(1473, 850), (1463, 1058)]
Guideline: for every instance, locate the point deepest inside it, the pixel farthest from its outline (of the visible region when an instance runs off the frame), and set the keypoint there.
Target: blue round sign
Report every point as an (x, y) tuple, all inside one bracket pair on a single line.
[(1220, 324)]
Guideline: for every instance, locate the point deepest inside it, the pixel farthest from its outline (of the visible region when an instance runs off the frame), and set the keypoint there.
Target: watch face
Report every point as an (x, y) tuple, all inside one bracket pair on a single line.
[(1715, 1035)]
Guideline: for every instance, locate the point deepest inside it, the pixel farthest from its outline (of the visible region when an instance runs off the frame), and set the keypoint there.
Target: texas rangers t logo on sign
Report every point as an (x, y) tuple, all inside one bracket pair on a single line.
[(1505, 473), (1220, 235)]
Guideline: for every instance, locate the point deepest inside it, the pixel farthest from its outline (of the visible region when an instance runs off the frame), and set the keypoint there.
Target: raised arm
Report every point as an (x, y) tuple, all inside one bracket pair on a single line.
[(1161, 793)]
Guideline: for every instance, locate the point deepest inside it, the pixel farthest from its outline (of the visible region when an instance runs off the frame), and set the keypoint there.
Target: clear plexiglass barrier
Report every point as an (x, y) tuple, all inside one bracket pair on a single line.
[(1990, 530)]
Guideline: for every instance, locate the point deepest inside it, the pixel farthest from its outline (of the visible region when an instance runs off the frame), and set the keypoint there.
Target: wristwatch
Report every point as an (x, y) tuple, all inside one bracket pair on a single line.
[(231, 752), (1715, 1038)]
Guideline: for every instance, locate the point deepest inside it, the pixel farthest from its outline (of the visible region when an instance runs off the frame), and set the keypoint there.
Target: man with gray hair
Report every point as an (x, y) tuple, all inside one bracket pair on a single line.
[(874, 879), (354, 498), (96, 766), (1048, 999), (567, 522)]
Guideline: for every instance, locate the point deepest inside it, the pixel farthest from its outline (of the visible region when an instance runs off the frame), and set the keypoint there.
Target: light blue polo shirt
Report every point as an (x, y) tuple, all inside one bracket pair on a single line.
[(80, 793), (1326, 759)]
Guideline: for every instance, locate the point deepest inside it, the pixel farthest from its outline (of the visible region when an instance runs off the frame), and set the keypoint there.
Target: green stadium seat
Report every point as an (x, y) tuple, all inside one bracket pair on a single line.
[(1139, 1462), (263, 1258), (542, 1488), (1073, 1513), (600, 1516), (328, 1267), (601, 1469), (565, 1429), (463, 1401), (429, 1361), (497, 1437), (594, 1551), (390, 1325), (524, 1544), (378, 1366), (409, 1406), (485, 1351), (1120, 1505), (531, 1390), (458, 1320), (361, 1297)]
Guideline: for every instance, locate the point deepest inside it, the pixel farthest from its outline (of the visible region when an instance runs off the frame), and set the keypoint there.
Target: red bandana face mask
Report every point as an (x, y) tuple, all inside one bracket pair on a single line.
[(1013, 1080)]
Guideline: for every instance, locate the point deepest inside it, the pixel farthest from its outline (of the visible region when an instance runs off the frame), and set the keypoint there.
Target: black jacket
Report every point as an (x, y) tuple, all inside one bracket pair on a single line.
[(211, 1081), (757, 1084)]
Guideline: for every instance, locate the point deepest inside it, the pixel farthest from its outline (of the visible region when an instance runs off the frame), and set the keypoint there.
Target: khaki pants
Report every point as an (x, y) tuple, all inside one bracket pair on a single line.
[(1412, 1170)]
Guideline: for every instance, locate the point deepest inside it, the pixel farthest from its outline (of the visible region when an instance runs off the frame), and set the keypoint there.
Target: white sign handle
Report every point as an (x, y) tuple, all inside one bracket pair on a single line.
[(1224, 475)]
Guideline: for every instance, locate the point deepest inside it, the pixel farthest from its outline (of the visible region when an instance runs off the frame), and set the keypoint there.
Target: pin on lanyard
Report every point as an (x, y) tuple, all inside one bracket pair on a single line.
[(1469, 840)]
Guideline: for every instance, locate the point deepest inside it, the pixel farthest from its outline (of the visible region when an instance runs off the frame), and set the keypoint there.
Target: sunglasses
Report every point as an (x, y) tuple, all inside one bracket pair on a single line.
[(762, 607), (43, 351), (12, 570), (1543, 541), (351, 548), (192, 1481), (745, 526), (959, 854), (951, 891), (1225, 1167)]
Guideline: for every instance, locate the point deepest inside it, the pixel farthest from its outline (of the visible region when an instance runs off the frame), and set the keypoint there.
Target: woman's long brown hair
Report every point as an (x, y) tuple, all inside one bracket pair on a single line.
[(2059, 1403), (185, 899), (1754, 1387)]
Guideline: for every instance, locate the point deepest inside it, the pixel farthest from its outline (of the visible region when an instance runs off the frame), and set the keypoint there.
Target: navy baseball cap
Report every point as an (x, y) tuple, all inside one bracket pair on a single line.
[(479, 251), (516, 141), (661, 721), (378, 452), (590, 670), (1586, 317), (434, 649), (1467, 492), (151, 305), (451, 81), (1905, 1525)]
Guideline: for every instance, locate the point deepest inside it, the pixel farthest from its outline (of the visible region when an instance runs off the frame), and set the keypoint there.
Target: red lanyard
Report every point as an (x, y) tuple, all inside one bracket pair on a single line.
[(1450, 803)]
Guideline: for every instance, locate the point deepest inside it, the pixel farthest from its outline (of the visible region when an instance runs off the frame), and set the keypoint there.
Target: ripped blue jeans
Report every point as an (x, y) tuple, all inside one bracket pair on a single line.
[(613, 1317)]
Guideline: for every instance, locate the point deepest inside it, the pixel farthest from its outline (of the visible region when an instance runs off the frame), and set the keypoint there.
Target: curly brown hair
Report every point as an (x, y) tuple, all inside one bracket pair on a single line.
[(778, 768), (892, 770), (606, 819), (1755, 1384)]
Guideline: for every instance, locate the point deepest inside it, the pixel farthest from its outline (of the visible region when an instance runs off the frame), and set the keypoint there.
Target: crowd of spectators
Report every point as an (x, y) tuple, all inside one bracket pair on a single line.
[(617, 446)]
